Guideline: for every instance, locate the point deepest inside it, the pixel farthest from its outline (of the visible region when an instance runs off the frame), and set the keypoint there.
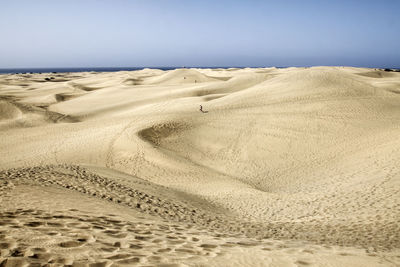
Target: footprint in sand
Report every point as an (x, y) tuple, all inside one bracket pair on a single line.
[(34, 224), (7, 245), (71, 244), (208, 246)]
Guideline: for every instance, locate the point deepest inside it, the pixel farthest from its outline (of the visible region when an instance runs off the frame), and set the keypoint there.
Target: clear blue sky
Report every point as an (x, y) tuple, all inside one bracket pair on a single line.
[(86, 33)]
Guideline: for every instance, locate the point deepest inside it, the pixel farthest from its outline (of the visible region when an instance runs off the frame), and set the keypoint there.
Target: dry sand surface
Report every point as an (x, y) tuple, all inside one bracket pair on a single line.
[(289, 167)]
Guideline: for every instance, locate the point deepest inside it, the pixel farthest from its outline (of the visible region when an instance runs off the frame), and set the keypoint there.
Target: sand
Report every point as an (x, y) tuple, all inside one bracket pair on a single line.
[(289, 167)]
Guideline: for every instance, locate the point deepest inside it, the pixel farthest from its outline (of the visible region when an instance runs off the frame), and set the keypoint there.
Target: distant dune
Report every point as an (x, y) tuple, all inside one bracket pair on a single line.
[(288, 167), (179, 76)]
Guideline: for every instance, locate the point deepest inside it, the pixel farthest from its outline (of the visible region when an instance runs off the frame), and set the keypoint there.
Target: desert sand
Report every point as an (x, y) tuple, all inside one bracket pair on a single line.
[(288, 167)]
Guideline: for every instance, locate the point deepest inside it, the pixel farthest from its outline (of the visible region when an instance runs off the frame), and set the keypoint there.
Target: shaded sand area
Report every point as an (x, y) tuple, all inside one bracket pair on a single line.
[(289, 167)]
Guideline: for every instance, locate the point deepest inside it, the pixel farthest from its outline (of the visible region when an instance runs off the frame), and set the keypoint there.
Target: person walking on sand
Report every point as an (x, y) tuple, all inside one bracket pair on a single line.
[(201, 109)]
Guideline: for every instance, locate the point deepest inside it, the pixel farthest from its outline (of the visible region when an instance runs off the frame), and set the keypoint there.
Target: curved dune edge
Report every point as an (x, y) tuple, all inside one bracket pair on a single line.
[(294, 166)]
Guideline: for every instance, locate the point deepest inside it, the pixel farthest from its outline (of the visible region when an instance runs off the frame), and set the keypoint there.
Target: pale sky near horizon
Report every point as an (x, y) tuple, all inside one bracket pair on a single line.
[(113, 33)]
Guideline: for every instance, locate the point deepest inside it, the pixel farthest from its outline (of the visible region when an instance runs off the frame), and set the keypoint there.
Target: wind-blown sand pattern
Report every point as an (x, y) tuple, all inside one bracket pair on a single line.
[(289, 167)]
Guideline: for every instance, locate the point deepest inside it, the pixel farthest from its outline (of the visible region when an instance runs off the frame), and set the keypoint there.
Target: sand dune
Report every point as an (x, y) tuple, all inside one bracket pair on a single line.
[(9, 111), (180, 76), (289, 167)]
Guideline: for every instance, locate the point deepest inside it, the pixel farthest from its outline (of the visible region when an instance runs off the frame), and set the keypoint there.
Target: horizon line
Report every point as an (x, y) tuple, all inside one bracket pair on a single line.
[(186, 67)]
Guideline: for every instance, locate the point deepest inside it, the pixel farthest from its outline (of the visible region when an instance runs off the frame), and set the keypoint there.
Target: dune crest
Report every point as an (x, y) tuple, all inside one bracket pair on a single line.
[(180, 76)]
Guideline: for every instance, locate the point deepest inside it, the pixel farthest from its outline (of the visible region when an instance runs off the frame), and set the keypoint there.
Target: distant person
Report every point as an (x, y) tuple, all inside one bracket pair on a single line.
[(201, 109)]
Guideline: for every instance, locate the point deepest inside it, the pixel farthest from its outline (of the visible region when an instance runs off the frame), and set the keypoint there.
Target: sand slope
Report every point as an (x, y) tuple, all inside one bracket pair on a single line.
[(289, 167), (179, 76)]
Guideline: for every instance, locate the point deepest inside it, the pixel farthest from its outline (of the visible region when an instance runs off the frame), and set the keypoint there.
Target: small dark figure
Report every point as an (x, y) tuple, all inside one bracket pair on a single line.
[(201, 109)]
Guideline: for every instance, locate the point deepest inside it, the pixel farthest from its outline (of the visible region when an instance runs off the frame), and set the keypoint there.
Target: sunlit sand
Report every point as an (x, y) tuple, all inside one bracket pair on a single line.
[(284, 167)]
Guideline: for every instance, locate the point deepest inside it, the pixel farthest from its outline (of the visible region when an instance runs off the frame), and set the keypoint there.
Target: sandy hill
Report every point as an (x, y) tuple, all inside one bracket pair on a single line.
[(180, 76), (9, 111), (284, 167)]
